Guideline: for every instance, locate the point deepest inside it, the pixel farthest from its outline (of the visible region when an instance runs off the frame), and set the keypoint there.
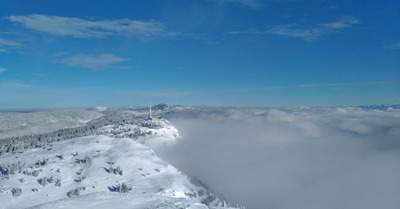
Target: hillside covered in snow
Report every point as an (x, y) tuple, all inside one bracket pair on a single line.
[(104, 162)]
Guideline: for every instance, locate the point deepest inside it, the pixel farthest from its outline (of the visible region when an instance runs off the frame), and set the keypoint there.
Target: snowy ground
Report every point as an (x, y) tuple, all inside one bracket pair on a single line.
[(14, 124), (87, 172)]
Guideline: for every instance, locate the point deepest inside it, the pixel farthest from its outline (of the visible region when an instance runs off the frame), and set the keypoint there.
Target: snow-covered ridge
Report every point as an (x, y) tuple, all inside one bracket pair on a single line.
[(106, 169)]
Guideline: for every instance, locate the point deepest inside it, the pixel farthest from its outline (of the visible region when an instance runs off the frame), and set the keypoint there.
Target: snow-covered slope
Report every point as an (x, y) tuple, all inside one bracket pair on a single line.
[(14, 124), (101, 171)]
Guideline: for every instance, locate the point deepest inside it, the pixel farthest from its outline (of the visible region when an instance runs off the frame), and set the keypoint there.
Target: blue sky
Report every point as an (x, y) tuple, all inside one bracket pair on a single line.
[(272, 53)]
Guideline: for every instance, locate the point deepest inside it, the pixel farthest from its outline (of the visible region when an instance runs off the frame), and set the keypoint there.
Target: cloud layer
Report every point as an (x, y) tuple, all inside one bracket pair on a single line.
[(293, 158), (80, 28)]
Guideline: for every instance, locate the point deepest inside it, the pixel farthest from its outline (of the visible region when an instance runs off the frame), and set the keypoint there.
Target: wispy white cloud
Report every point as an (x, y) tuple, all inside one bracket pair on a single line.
[(397, 45), (2, 70), (327, 84), (333, 7), (6, 43), (305, 33), (201, 37), (16, 86), (100, 62), (394, 46), (81, 28), (343, 22), (254, 4), (204, 37)]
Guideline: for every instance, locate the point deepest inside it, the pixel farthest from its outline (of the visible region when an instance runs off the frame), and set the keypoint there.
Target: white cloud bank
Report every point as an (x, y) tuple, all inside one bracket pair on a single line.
[(80, 28), (2, 70), (293, 158), (99, 62)]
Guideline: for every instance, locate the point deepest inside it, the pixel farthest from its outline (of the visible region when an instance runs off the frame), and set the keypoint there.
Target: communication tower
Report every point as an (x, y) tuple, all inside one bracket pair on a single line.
[(150, 117)]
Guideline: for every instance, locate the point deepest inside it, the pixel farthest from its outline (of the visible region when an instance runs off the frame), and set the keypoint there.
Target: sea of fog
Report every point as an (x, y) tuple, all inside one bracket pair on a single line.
[(292, 158)]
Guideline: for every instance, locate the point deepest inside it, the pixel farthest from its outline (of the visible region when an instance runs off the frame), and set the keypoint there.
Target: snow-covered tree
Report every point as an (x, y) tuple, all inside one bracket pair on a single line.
[(16, 191), (123, 188)]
